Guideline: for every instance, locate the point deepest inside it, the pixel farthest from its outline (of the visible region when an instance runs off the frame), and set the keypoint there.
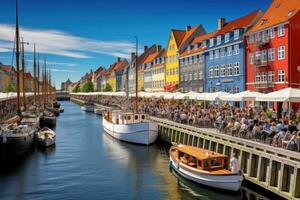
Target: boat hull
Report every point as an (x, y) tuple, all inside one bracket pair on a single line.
[(48, 121), (46, 142), (141, 133), (14, 146), (225, 182), (87, 108)]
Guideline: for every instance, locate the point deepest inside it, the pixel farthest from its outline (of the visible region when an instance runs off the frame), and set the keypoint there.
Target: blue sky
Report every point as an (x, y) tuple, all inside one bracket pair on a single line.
[(79, 35)]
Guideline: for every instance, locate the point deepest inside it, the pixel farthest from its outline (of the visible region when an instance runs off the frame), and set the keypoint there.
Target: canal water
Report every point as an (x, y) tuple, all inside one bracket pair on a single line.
[(88, 164)]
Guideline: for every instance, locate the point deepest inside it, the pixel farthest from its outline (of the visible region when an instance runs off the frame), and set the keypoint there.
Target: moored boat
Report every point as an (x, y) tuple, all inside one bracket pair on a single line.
[(15, 140), (61, 109), (99, 111), (45, 137), (88, 107), (204, 167), (130, 127)]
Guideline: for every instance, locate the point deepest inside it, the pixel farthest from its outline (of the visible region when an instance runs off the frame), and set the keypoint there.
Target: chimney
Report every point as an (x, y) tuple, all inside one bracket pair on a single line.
[(145, 48), (221, 23), (158, 48), (119, 59), (188, 28)]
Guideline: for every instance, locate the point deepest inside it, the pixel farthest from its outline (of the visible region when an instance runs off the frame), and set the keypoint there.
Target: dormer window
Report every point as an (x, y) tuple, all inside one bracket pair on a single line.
[(219, 39), (211, 42), (236, 34), (205, 43), (227, 36), (189, 47), (290, 13), (196, 46)]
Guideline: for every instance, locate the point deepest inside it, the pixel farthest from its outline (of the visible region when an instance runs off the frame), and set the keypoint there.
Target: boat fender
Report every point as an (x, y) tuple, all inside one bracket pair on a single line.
[(4, 139)]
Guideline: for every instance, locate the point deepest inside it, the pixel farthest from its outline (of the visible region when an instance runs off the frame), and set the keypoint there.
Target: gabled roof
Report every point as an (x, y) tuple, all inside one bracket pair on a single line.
[(279, 11), (178, 36), (198, 40), (120, 65), (242, 22)]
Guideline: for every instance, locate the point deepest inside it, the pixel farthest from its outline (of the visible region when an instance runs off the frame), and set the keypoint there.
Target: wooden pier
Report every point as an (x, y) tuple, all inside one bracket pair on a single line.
[(275, 169)]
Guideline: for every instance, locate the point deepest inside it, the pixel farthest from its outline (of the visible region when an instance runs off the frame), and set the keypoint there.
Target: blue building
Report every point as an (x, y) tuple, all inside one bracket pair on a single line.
[(225, 62)]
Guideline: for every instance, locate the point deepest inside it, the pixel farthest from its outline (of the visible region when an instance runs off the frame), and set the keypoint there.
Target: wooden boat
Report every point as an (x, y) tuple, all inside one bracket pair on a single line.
[(56, 104), (48, 119), (99, 111), (45, 137), (130, 127), (88, 107), (204, 167), (15, 140)]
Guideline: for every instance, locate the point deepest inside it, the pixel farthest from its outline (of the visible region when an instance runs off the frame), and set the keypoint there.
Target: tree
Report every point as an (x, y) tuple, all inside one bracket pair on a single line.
[(76, 89), (88, 87), (9, 88), (107, 88)]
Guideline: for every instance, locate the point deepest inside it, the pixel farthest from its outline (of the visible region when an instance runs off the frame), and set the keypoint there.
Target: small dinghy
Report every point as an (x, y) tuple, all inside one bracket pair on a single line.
[(45, 137), (88, 107), (61, 109)]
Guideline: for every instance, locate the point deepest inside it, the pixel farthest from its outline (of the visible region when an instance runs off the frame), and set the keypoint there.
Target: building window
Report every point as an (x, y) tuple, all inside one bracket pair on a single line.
[(258, 56), (281, 31), (258, 36), (217, 71), (271, 76), (181, 77), (271, 33), (222, 52), (195, 76), (257, 77), (211, 42), (236, 89), (251, 58), (263, 77), (185, 77), (191, 76), (271, 54), (223, 71), (236, 49), (211, 72), (211, 55), (264, 55), (281, 76), (219, 39), (251, 38), (236, 34), (281, 52), (229, 70), (236, 68), (200, 75), (227, 37), (229, 51), (217, 55)]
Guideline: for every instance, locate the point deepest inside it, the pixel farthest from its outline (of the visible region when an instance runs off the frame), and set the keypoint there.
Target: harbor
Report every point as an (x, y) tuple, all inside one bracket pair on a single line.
[(66, 171)]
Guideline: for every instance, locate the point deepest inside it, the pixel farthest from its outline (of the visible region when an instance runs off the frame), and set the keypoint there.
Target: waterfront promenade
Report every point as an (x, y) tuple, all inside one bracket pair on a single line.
[(273, 168)]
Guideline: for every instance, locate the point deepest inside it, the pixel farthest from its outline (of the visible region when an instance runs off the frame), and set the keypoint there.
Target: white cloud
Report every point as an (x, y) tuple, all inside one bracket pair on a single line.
[(63, 44), (61, 70), (3, 50), (57, 63)]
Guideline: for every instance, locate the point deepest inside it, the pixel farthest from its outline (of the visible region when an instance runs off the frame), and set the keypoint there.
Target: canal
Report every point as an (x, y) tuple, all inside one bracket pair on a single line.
[(86, 163)]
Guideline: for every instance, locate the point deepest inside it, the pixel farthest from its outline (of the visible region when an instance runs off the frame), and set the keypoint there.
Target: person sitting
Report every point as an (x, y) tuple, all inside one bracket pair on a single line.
[(292, 145)]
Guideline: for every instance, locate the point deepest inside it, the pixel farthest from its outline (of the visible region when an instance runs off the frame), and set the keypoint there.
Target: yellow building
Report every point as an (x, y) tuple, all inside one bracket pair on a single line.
[(112, 81), (178, 40)]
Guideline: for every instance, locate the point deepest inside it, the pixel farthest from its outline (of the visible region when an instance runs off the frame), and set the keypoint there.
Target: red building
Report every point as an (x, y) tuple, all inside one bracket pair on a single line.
[(273, 48)]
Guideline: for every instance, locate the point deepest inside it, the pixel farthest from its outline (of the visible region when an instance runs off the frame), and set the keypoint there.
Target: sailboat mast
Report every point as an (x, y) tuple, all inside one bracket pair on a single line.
[(136, 76), (46, 82), (23, 75), (34, 74), (38, 79), (18, 58)]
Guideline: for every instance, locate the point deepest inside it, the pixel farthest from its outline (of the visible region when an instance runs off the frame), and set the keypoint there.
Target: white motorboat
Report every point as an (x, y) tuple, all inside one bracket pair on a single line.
[(88, 107), (45, 137), (99, 111), (130, 127), (204, 167)]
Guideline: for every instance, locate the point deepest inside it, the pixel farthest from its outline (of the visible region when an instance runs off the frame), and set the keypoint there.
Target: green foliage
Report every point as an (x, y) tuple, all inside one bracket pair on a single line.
[(269, 113), (9, 88), (88, 87), (107, 88), (76, 89)]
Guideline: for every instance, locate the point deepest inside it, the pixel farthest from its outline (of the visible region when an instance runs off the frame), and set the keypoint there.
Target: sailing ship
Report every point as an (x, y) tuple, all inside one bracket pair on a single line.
[(134, 127), (204, 167), (17, 135)]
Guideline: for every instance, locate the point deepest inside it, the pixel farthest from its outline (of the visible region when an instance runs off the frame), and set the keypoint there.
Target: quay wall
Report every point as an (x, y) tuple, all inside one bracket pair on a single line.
[(274, 169)]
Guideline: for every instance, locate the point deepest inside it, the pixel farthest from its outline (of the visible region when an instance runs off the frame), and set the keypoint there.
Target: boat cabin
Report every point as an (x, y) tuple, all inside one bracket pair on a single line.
[(201, 159), (121, 117)]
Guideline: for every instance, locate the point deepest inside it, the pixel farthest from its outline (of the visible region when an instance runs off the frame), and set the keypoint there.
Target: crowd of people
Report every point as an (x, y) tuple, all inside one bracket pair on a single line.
[(253, 123)]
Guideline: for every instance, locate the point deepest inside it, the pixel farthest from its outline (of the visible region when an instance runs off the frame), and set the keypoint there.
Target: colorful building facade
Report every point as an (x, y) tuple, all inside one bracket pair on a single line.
[(225, 68), (178, 41), (273, 59)]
